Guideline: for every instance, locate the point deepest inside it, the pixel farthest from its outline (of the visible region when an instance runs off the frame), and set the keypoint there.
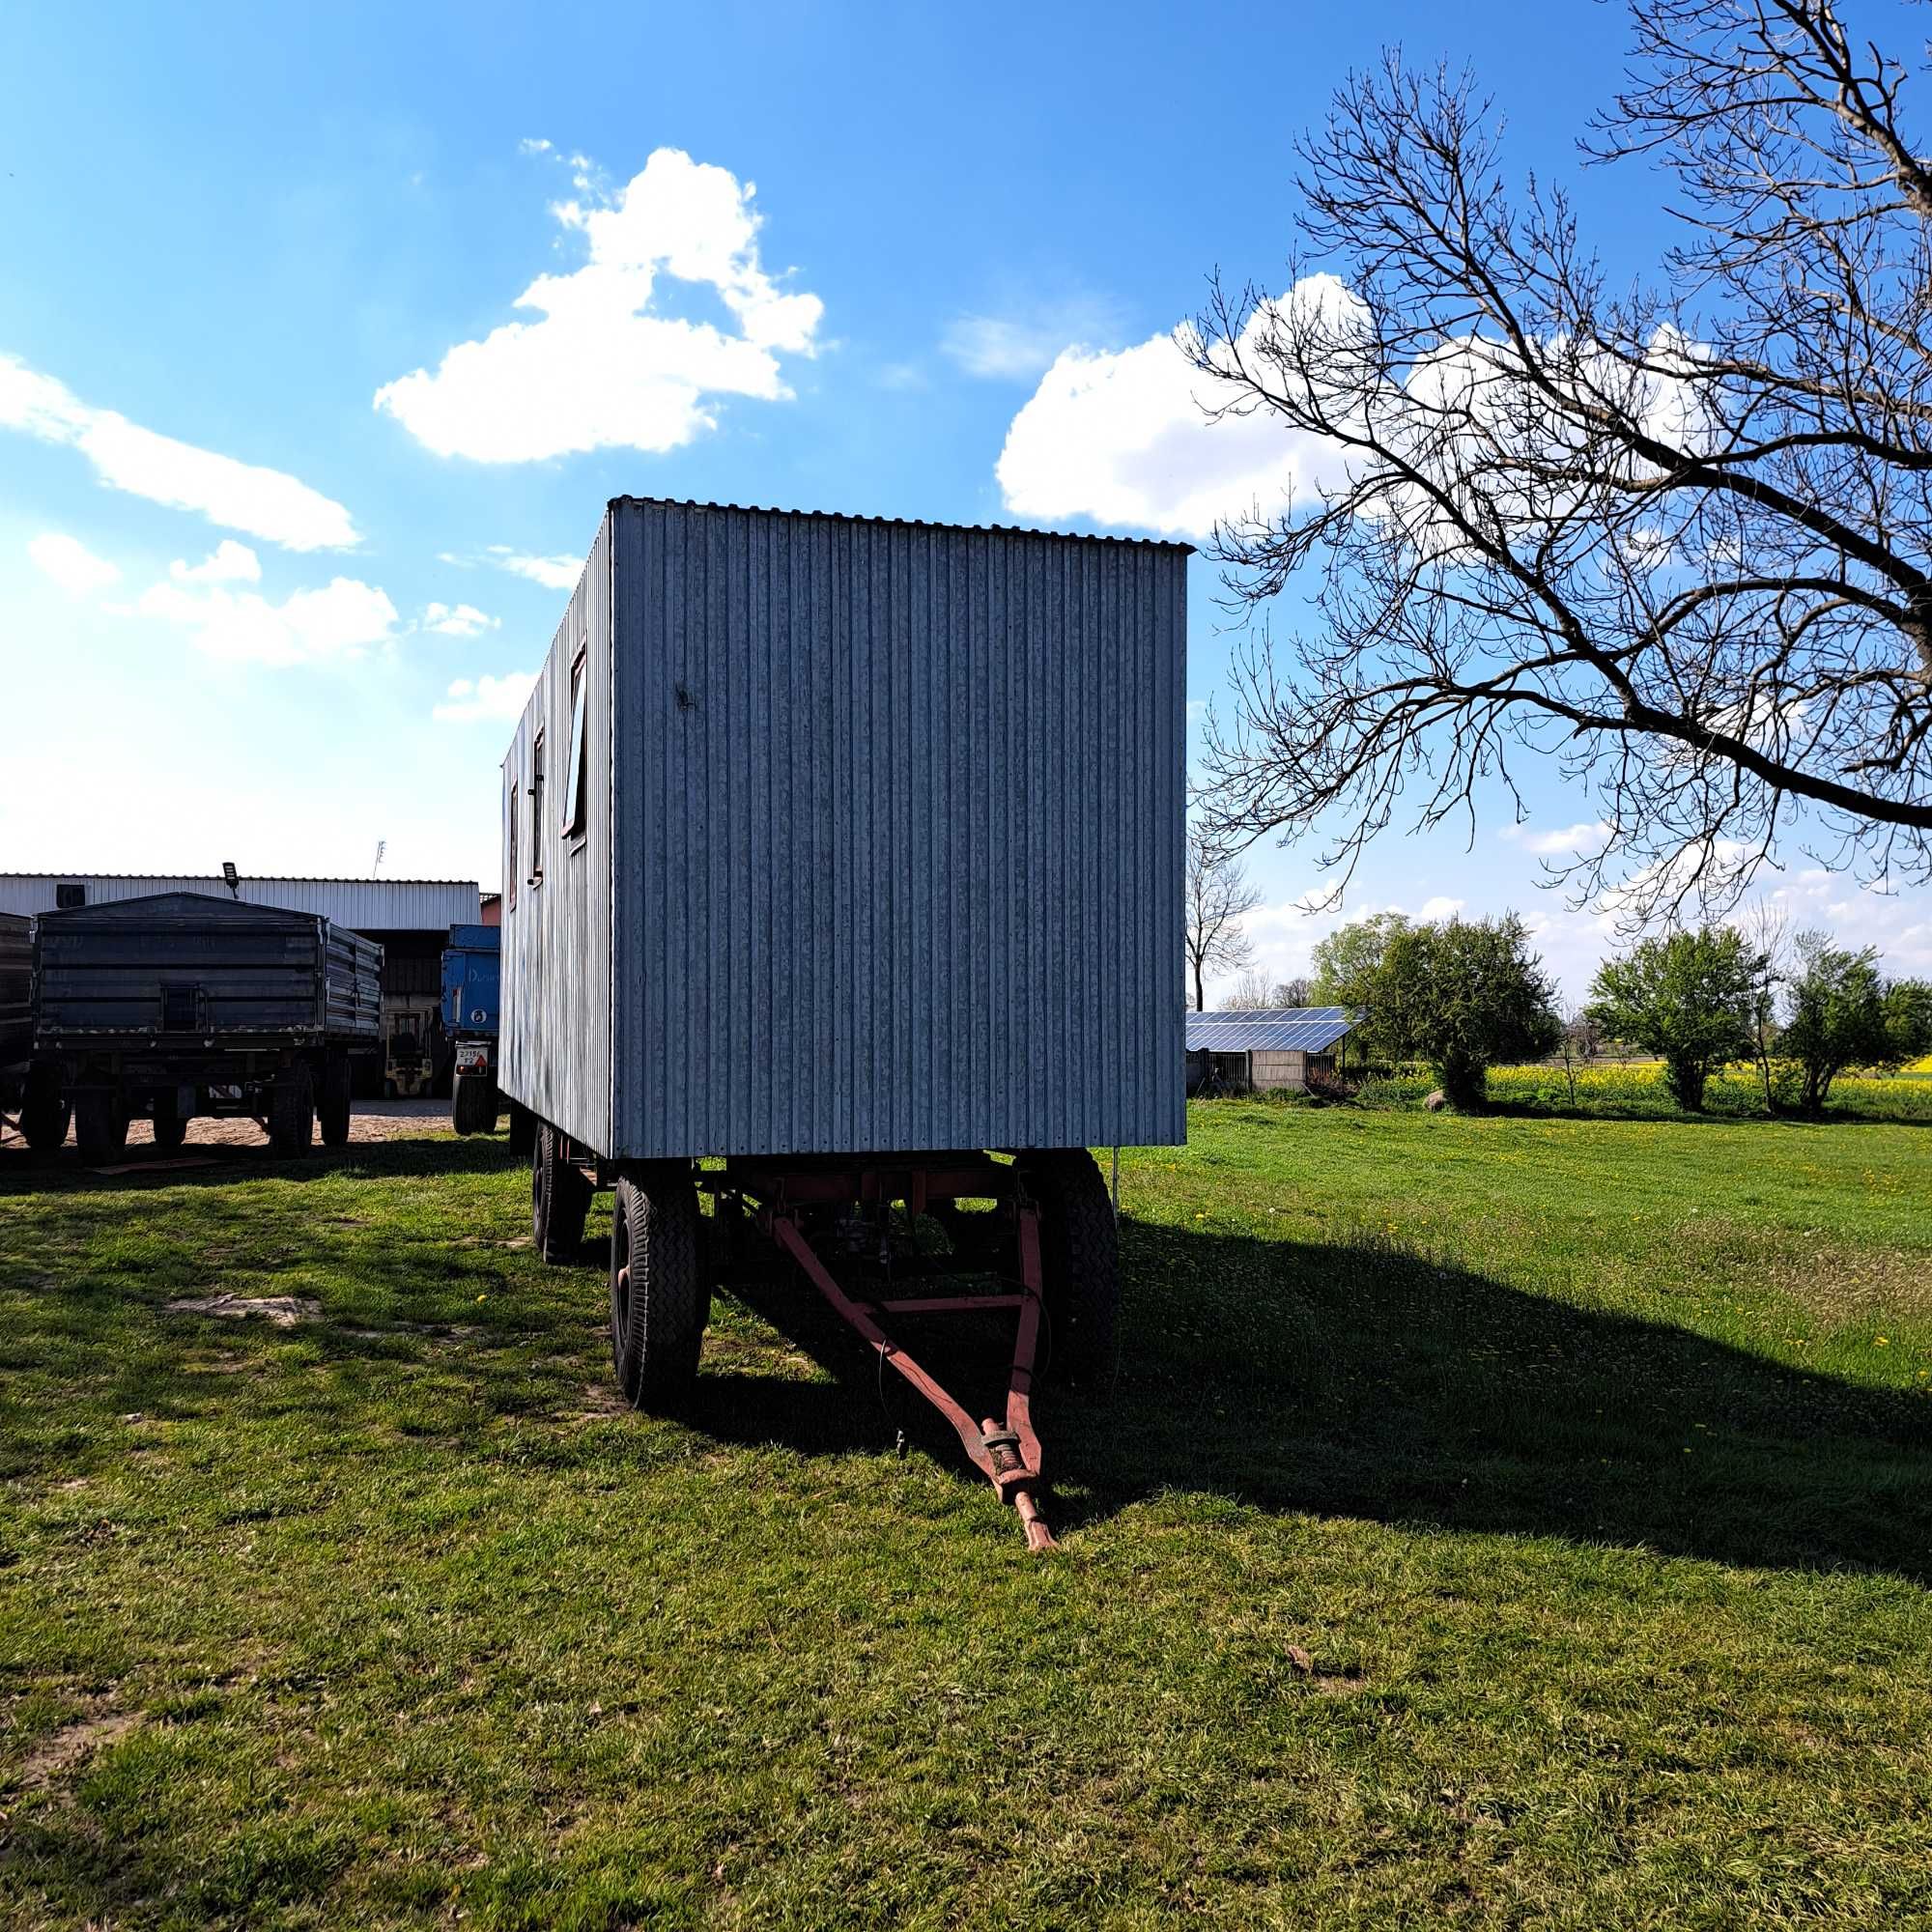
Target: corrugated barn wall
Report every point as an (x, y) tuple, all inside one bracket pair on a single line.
[(899, 813)]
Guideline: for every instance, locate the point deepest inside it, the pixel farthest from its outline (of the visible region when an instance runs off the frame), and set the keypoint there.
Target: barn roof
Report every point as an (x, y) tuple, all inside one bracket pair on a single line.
[(1269, 1029)]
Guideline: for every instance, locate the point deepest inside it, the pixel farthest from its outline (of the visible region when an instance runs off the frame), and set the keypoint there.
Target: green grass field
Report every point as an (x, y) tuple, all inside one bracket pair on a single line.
[(1498, 1521)]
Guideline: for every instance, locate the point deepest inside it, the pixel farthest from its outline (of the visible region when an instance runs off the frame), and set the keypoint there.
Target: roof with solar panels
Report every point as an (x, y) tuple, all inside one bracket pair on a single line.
[(1269, 1029)]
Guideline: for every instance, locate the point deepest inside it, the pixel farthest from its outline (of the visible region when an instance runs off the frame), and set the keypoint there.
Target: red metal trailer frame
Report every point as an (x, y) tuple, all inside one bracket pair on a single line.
[(783, 1193)]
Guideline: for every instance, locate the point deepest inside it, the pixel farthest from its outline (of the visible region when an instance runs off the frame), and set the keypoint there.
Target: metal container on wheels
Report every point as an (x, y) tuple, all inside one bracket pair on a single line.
[(180, 1004), (843, 881)]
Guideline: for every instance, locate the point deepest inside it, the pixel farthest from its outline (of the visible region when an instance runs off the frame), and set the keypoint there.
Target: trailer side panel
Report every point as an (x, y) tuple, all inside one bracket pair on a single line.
[(898, 824), (555, 1057)]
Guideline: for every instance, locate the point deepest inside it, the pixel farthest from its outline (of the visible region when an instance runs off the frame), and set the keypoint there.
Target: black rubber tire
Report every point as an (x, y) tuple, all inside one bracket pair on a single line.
[(170, 1130), (523, 1129), (472, 1105), (45, 1113), (101, 1126), (559, 1199), (291, 1113), (1079, 1264), (660, 1298), (336, 1105)]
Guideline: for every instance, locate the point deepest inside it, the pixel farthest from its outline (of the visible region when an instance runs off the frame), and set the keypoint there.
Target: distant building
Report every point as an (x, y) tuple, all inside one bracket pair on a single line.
[(1264, 1048)]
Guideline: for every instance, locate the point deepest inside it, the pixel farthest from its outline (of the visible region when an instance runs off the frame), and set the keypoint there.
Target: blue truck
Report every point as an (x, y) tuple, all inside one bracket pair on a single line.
[(470, 971)]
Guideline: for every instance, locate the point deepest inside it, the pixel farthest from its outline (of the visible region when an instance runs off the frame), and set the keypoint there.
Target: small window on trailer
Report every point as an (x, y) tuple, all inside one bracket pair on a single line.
[(514, 802), (68, 895), (574, 825), (536, 871)]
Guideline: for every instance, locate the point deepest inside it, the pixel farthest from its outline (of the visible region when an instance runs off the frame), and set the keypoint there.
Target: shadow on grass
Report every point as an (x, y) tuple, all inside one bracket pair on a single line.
[(1352, 1381), (1339, 1379)]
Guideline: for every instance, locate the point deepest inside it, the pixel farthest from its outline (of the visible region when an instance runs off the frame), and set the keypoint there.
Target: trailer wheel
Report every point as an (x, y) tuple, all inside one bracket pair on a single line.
[(335, 1106), (472, 1105), (170, 1130), (1079, 1263), (660, 1299), (101, 1126), (44, 1115), (523, 1129), (559, 1199), (292, 1112)]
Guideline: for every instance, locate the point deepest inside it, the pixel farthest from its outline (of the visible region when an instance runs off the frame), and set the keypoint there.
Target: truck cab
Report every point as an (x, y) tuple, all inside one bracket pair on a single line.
[(471, 967)]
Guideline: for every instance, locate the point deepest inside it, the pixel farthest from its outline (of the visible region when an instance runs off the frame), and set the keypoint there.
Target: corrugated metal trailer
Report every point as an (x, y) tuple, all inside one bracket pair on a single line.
[(30, 1102), (184, 1003), (16, 969), (845, 849)]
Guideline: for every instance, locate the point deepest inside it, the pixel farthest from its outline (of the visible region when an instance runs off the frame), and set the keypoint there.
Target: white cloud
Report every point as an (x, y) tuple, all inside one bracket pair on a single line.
[(1004, 347), (604, 367), (1568, 842), (1440, 908), (71, 565), (231, 562), (469, 701), (1123, 436), (341, 620), (242, 496), (554, 573), (464, 621)]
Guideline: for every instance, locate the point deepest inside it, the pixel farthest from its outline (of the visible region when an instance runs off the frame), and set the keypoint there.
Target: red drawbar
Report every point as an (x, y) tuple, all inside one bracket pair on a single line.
[(1007, 1454)]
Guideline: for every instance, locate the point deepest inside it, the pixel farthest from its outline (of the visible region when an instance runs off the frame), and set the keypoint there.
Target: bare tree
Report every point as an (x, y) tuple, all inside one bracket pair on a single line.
[(1218, 899), (1294, 992), (1773, 947), (1249, 992), (1579, 1042), (1680, 538)]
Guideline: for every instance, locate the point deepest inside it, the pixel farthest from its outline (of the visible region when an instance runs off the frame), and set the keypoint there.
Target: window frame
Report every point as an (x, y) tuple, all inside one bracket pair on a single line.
[(535, 876), (511, 868), (575, 824)]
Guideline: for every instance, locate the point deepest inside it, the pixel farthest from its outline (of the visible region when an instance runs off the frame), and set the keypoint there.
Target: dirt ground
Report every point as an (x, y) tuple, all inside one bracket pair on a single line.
[(371, 1120)]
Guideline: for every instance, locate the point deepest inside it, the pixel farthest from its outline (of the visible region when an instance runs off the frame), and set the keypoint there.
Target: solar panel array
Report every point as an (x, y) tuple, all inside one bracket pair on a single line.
[(1269, 1029)]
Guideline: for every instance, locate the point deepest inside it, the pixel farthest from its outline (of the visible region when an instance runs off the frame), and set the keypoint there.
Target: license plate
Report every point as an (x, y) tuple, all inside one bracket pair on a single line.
[(473, 1058)]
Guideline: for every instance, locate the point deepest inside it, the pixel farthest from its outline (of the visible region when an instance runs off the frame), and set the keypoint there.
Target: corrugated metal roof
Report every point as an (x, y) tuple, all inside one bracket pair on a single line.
[(911, 522), (362, 905), (1269, 1029)]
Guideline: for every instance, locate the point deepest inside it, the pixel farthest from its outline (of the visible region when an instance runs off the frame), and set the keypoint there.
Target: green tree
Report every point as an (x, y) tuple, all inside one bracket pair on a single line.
[(1463, 996), (1688, 997), (1842, 1014), (1346, 964)]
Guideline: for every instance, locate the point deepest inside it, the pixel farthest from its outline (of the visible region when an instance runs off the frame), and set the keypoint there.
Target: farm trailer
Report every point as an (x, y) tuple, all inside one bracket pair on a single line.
[(472, 977), (30, 1100), (842, 882), (180, 1004)]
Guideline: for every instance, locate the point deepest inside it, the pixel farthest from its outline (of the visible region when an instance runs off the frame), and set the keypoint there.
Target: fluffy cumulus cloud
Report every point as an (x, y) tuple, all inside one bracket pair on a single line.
[(229, 563), (554, 573), (604, 365), (471, 700), (465, 620), (342, 620), (71, 565), (1128, 438), (240, 495)]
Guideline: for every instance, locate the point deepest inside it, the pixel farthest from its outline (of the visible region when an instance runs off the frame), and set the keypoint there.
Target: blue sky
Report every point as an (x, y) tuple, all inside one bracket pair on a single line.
[(282, 457)]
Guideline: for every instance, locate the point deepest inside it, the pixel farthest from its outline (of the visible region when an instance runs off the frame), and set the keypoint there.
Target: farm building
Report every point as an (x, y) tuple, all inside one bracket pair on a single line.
[(409, 918), (1264, 1048)]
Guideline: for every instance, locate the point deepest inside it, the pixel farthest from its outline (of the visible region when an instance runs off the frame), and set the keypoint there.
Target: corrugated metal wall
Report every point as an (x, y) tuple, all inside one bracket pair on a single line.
[(363, 905), (554, 1044), (899, 835)]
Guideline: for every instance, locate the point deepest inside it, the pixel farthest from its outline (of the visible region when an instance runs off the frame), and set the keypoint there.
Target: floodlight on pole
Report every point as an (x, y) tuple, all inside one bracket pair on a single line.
[(231, 877)]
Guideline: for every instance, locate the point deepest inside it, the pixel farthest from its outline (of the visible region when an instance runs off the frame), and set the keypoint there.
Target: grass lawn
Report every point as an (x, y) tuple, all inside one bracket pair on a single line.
[(1498, 1521)]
